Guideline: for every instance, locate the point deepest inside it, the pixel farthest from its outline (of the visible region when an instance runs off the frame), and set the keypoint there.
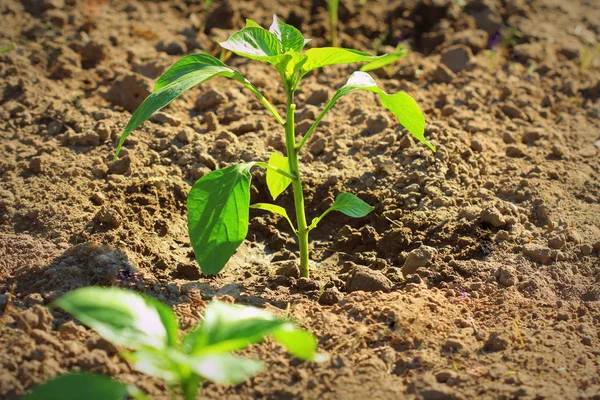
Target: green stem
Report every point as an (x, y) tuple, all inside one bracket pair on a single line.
[(273, 168), (292, 154), (190, 387)]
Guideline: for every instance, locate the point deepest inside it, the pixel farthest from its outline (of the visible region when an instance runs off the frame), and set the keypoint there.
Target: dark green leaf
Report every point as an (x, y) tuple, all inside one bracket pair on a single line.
[(218, 215), (348, 204), (290, 37), (275, 210), (122, 317), (79, 386), (228, 327), (277, 183)]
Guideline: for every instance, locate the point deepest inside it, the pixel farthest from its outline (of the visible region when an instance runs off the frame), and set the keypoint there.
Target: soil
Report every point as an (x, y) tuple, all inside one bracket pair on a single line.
[(476, 277)]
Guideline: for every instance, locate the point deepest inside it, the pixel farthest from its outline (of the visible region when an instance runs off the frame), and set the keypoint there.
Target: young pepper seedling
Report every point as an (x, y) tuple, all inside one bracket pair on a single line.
[(149, 329), (218, 203)]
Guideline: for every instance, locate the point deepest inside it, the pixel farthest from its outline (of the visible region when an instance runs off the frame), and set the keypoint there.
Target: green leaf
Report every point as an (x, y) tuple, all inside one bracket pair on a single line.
[(79, 386), (224, 368), (228, 327), (298, 342), (250, 23), (218, 215), (186, 73), (384, 60), (290, 37), (348, 204), (403, 106), (275, 210), (323, 56), (277, 183), (162, 364), (122, 317)]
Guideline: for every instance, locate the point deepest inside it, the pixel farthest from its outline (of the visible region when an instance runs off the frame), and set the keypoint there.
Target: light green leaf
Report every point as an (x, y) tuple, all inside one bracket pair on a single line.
[(250, 23), (122, 317), (186, 73), (276, 182), (163, 364), (218, 215), (384, 60), (275, 210), (79, 386), (290, 37), (403, 106), (348, 204), (228, 327), (298, 342), (319, 57), (224, 368)]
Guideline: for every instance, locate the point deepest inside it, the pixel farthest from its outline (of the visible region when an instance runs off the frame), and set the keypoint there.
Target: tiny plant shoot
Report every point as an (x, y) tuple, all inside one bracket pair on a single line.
[(218, 203), (150, 330)]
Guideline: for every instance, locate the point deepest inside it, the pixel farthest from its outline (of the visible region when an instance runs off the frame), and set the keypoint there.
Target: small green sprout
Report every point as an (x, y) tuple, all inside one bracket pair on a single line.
[(333, 10), (218, 203), (150, 329)]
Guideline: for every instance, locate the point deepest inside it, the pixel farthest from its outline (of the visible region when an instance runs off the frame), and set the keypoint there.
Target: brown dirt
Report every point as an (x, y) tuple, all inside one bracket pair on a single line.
[(488, 250)]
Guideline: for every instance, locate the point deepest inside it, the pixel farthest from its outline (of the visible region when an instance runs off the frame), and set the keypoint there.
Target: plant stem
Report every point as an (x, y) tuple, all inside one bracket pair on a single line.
[(292, 154), (190, 387)]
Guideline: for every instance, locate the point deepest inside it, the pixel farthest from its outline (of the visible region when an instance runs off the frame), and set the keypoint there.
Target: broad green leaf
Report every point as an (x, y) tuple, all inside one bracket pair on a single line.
[(218, 215), (224, 368), (384, 60), (290, 37), (403, 106), (186, 73), (228, 327), (275, 210), (122, 317), (162, 364), (276, 182), (348, 204), (79, 386), (322, 56), (298, 342), (258, 44)]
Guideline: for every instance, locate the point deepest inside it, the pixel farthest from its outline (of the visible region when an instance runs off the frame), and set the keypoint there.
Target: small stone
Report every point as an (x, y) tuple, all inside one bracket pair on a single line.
[(367, 280), (120, 166), (172, 48), (212, 122), (231, 289), (445, 375), (109, 217), (210, 99), (506, 277), (586, 249), (443, 74), (318, 146), (189, 271), (538, 253), (456, 57), (38, 165), (556, 242), (532, 135), (493, 216), (462, 323), (557, 151), (307, 284), (496, 341), (514, 152), (508, 138), (165, 119), (476, 146), (186, 135), (586, 340), (512, 112), (98, 198), (418, 258)]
